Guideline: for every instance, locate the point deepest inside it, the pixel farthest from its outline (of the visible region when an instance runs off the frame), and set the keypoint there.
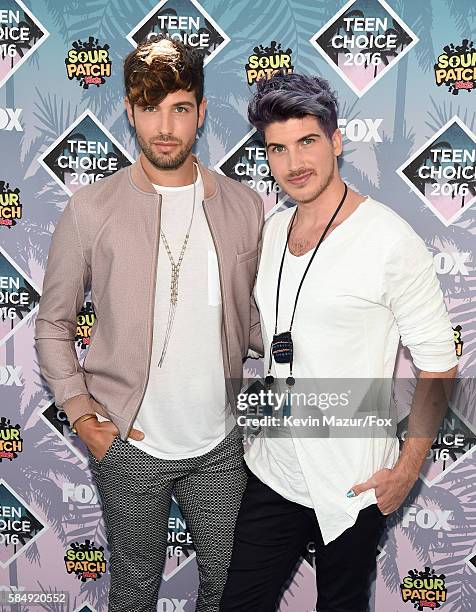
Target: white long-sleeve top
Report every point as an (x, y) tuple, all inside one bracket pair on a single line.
[(371, 283)]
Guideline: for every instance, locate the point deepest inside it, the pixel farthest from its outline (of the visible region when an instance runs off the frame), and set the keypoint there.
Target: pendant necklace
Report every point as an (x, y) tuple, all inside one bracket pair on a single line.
[(174, 280), (281, 348)]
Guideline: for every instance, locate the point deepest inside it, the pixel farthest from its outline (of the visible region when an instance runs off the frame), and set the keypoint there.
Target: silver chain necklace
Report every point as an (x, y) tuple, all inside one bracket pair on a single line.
[(174, 280)]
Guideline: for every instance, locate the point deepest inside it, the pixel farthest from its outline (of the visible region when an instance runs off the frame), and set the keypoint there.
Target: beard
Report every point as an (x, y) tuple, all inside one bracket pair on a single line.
[(164, 161), (322, 187)]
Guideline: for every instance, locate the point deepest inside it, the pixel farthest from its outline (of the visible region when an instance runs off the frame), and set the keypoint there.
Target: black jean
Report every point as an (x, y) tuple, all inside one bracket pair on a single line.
[(270, 536)]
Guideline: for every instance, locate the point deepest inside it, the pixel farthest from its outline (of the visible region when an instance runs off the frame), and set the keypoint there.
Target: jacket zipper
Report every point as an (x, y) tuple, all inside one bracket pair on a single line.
[(151, 325)]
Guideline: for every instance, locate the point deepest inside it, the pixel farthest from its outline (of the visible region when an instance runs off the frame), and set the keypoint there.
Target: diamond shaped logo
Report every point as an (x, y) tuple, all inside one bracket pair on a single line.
[(19, 525), (381, 552), (85, 153), (471, 561), (19, 297), (58, 422), (86, 607), (180, 549), (184, 20), (20, 35), (455, 441), (442, 172), (363, 41), (247, 163)]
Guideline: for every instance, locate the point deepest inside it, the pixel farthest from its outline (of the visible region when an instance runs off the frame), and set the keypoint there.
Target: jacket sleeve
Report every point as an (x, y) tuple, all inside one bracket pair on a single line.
[(255, 345), (66, 278)]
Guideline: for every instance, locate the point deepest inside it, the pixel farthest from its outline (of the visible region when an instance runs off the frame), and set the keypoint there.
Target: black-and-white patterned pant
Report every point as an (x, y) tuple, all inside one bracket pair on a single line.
[(136, 489)]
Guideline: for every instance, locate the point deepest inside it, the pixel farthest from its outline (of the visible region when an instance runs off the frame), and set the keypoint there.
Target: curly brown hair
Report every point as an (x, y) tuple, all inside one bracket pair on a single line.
[(160, 66)]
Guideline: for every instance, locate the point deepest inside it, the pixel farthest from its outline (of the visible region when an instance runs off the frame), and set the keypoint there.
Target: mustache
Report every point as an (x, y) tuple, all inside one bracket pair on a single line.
[(298, 173), (165, 138)]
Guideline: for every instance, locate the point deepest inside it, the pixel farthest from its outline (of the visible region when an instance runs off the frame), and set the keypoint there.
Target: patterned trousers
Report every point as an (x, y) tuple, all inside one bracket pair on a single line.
[(136, 489)]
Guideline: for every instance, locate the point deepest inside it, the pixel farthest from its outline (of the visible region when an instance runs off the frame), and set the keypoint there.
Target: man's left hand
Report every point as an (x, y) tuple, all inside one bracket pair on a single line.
[(391, 488)]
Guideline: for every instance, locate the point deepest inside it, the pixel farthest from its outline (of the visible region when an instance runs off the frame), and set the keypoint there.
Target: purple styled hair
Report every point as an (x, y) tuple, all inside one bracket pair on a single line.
[(288, 96)]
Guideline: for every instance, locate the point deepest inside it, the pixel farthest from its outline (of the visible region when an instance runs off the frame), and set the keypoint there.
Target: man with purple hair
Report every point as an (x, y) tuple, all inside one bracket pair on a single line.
[(342, 278)]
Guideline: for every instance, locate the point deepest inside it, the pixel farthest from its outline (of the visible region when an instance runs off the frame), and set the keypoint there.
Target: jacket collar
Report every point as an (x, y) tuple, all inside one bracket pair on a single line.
[(143, 183)]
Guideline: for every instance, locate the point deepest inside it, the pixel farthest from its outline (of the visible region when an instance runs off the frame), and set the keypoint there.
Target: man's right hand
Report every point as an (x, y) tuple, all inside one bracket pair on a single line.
[(99, 435)]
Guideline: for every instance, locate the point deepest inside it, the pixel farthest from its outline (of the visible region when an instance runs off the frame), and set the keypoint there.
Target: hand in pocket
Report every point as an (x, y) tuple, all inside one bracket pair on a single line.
[(98, 436)]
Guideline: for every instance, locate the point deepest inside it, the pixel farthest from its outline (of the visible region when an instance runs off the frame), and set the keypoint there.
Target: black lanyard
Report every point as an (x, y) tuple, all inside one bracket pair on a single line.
[(284, 341)]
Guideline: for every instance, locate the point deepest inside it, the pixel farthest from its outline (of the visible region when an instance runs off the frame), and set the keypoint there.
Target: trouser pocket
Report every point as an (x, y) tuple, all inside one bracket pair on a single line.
[(110, 451)]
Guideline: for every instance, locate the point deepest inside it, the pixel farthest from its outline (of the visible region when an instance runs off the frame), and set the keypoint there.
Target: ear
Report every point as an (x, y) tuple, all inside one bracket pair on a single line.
[(130, 111), (337, 142), (201, 112)]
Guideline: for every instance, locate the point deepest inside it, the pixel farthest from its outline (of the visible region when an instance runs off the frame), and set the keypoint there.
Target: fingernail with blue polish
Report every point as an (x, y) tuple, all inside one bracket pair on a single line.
[(350, 493)]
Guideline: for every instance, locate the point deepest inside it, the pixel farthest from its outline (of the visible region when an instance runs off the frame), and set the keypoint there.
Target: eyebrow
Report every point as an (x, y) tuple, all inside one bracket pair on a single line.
[(184, 103), (278, 144)]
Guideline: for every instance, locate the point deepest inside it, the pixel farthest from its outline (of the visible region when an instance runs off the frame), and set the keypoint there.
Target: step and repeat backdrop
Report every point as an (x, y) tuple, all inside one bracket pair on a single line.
[(405, 73)]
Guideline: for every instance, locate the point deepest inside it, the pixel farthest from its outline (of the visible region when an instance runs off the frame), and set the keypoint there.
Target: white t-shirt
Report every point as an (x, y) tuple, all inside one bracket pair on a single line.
[(185, 412), (371, 282)]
